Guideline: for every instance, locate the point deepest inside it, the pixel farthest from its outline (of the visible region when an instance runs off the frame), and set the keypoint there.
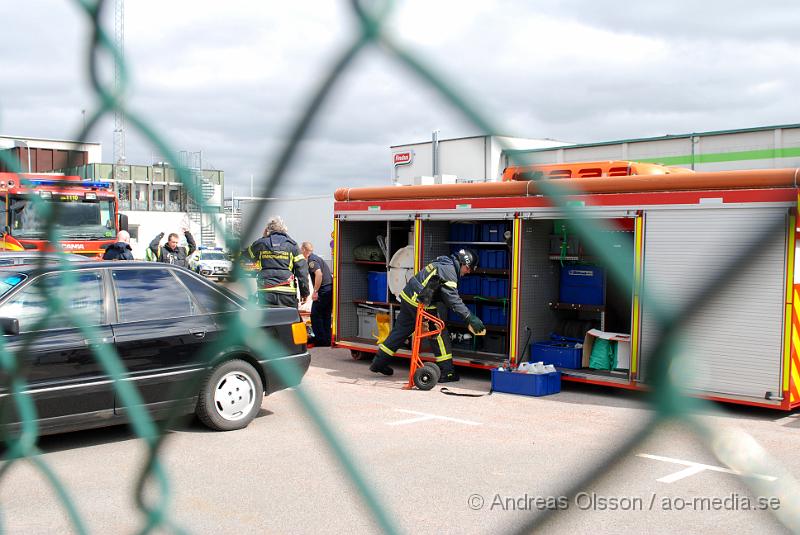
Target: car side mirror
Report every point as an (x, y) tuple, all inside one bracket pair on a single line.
[(10, 326), (123, 222), (6, 229)]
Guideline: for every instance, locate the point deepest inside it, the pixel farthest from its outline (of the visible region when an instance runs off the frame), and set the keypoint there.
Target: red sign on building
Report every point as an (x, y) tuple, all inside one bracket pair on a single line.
[(403, 158)]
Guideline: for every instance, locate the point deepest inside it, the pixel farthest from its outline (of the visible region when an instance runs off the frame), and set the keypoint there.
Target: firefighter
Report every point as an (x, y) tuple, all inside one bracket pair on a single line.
[(283, 267), (436, 282)]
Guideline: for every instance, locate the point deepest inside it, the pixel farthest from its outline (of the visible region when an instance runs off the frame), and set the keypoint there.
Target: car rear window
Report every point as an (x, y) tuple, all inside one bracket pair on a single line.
[(209, 298), (150, 294)]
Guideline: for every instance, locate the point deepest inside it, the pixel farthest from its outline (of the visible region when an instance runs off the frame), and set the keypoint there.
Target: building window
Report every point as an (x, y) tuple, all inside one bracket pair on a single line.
[(140, 197), (174, 199), (158, 198), (123, 190)]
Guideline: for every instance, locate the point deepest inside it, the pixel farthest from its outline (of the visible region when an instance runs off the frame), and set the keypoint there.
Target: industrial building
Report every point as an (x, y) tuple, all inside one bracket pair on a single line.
[(483, 158)]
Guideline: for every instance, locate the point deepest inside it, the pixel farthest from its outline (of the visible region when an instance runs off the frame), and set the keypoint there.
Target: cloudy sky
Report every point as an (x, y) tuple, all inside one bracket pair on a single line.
[(229, 78)]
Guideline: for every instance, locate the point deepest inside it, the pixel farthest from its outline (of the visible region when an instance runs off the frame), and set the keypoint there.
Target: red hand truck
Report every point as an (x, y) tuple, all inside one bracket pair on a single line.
[(423, 375)]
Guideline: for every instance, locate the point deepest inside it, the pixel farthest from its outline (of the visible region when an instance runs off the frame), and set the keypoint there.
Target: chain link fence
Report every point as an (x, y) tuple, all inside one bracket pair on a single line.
[(153, 491)]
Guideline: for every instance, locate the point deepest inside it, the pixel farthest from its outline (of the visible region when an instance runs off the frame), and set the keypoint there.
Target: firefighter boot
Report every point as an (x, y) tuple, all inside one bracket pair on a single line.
[(380, 364), (449, 373)]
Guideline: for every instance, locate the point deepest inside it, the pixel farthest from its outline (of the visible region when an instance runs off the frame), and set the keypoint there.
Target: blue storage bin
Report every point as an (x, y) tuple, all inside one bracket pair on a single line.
[(493, 315), (376, 286), (582, 285), (492, 259), (494, 287), (559, 351), (463, 232), (493, 232), (452, 316), (483, 258), (526, 384), (469, 285)]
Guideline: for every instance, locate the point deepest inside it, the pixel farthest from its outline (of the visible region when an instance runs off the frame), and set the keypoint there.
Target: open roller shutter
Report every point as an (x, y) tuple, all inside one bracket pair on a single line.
[(734, 345)]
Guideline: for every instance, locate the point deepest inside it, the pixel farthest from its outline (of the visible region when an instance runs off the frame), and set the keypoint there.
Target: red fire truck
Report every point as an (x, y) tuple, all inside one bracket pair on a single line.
[(86, 212)]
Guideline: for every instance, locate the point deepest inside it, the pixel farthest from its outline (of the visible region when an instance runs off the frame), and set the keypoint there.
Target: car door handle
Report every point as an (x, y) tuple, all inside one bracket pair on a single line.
[(198, 333)]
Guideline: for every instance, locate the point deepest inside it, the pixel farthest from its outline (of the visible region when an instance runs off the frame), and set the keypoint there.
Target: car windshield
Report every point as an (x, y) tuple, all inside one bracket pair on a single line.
[(213, 256), (76, 217), (9, 281)]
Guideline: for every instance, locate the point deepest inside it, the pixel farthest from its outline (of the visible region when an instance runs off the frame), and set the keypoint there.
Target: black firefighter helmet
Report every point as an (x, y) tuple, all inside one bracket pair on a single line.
[(468, 257)]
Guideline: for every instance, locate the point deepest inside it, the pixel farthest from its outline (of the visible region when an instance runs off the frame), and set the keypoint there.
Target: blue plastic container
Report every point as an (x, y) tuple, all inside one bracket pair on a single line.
[(493, 315), (492, 259), (526, 384), (582, 285), (494, 287), (559, 351), (469, 285), (376, 287), (493, 232), (463, 232)]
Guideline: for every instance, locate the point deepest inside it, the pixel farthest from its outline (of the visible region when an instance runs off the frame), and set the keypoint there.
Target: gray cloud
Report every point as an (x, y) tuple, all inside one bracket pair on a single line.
[(231, 83)]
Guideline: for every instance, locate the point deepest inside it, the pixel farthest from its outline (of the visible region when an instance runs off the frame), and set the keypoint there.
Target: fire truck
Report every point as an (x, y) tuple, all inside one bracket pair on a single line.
[(675, 230), (86, 212)]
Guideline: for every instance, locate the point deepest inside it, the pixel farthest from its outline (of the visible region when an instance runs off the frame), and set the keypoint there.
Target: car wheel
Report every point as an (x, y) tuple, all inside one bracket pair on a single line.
[(230, 396)]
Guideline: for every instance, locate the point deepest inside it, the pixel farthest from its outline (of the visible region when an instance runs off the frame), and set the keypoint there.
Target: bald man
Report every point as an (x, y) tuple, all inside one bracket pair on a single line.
[(120, 250)]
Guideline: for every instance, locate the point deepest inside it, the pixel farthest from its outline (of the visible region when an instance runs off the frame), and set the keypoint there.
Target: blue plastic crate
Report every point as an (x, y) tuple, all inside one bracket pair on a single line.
[(376, 286), (493, 232), (526, 384), (498, 259), (494, 287), (582, 285), (493, 315), (559, 351), (469, 285), (463, 232)]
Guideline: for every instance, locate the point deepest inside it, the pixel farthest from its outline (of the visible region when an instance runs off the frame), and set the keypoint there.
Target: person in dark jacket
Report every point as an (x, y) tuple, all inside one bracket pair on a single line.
[(436, 282), (120, 250), (322, 307), (170, 253), (283, 267)]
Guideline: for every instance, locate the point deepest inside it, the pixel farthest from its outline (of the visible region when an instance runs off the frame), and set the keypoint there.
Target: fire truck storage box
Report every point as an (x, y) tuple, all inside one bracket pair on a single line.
[(494, 287), (558, 351), (367, 322), (492, 259), (582, 285), (492, 343), (463, 232), (526, 384), (623, 342), (493, 232), (493, 315), (376, 286)]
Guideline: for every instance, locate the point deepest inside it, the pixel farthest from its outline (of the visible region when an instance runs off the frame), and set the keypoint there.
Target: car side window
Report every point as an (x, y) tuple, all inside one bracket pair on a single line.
[(81, 295), (211, 300), (149, 294)]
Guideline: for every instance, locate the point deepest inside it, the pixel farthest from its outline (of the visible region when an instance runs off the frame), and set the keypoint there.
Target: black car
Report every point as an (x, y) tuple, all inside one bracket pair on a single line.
[(162, 320)]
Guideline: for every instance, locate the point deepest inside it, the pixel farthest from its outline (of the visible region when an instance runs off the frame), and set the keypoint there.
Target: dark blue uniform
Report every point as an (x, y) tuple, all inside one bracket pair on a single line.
[(322, 308)]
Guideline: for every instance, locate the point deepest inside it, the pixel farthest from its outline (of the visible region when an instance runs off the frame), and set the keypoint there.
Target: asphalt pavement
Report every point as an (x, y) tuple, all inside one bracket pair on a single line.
[(437, 463)]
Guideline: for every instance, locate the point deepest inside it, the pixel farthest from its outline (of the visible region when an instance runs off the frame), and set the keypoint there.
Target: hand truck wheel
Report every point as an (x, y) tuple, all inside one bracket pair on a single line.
[(437, 372), (425, 378)]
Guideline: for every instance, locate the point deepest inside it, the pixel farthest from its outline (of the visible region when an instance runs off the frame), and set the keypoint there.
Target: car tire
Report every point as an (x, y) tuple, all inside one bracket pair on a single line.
[(230, 397)]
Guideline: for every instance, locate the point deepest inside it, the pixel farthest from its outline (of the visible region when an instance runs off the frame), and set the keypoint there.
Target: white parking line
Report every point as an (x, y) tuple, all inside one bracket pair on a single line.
[(696, 468), (424, 416)]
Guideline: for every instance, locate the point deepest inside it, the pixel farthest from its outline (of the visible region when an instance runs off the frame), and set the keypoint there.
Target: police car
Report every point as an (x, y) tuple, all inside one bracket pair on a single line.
[(211, 263)]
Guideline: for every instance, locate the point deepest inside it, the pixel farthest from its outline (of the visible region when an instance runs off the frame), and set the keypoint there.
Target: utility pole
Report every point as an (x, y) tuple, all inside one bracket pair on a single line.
[(119, 116)]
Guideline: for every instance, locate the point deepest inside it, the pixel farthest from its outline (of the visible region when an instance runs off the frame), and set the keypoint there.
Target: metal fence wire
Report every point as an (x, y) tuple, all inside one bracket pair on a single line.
[(733, 448)]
